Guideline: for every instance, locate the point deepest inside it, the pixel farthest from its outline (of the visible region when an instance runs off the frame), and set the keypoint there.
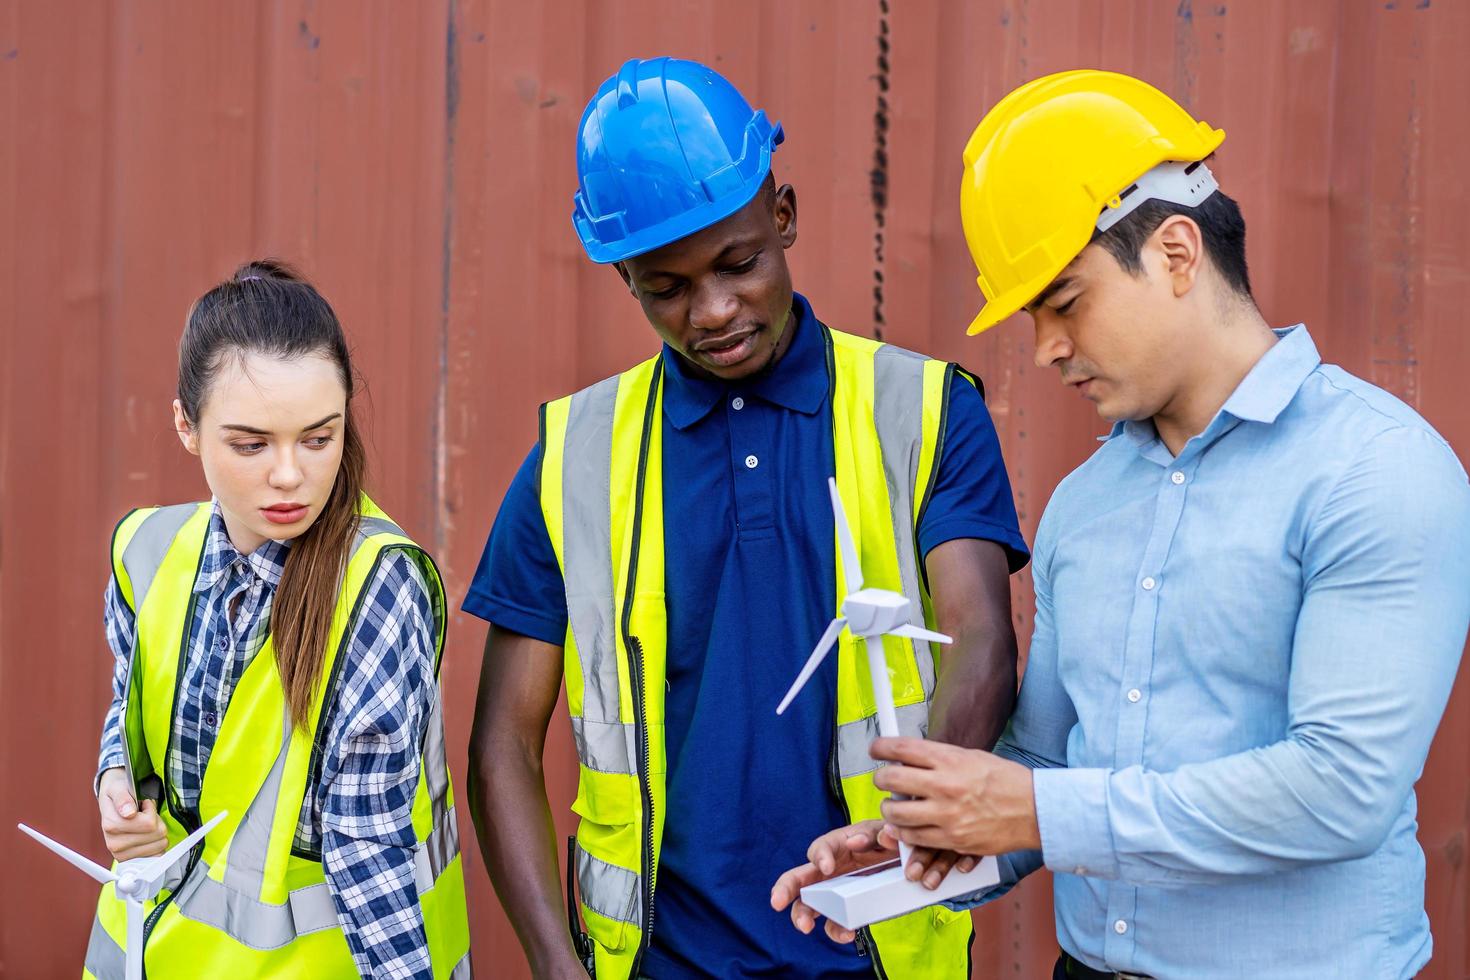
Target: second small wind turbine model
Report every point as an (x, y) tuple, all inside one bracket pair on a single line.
[(879, 892), (135, 882)]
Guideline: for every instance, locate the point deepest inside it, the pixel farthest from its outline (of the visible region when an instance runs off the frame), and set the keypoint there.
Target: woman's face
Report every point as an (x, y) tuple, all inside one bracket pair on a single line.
[(270, 438)]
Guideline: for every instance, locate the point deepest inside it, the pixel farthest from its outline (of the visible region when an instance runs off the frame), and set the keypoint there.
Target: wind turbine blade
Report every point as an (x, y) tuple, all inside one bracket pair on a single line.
[(134, 952), (823, 645), (91, 867), (852, 569), (919, 633), (158, 867)]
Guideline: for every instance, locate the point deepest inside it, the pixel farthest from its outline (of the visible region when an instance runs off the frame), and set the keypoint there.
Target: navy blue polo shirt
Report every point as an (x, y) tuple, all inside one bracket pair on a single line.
[(750, 586)]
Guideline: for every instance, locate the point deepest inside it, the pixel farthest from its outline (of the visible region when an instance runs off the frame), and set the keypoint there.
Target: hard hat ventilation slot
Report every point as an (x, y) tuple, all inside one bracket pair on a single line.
[(1182, 183)]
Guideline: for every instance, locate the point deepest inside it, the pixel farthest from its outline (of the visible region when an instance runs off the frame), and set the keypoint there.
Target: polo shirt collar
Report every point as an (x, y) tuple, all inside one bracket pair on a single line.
[(798, 382)]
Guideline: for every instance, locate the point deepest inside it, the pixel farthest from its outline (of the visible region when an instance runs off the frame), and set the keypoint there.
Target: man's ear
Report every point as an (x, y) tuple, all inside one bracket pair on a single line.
[(1180, 246), (627, 279), (784, 215), (188, 435)]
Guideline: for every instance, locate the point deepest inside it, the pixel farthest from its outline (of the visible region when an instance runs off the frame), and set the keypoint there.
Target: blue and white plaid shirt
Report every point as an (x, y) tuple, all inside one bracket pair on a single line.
[(359, 815)]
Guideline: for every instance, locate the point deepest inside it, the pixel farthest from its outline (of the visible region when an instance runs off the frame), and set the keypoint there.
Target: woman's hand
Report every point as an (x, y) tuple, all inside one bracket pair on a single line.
[(130, 831)]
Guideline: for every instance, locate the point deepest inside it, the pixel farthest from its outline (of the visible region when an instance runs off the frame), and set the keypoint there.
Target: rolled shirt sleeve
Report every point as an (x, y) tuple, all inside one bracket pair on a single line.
[(118, 622)]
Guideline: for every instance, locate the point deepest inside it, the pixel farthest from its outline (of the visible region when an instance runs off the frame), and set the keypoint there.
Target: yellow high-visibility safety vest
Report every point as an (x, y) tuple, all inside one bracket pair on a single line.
[(247, 903), (601, 489)]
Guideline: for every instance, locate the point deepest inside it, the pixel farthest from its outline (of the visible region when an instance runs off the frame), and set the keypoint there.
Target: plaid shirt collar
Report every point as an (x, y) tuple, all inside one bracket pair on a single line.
[(265, 563)]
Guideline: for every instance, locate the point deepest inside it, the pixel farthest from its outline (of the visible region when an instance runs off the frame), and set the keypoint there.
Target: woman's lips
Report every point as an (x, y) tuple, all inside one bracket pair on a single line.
[(284, 515)]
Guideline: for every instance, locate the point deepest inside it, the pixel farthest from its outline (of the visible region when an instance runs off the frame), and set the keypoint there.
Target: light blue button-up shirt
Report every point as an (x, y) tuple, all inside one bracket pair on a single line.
[(1240, 658)]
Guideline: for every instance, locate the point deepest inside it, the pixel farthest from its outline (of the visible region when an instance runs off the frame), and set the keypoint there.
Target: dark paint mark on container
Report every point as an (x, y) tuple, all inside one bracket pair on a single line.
[(878, 176), (446, 263)]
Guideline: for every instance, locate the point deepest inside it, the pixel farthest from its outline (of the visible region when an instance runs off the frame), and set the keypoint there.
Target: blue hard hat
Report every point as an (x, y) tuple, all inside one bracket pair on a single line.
[(665, 148)]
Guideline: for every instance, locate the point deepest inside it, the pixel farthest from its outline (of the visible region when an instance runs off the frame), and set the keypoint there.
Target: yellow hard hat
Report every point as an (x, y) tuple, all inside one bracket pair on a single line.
[(1049, 159)]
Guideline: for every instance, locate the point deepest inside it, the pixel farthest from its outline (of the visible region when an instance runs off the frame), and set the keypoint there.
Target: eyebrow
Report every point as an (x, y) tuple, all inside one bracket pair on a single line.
[(1057, 285), (252, 430)]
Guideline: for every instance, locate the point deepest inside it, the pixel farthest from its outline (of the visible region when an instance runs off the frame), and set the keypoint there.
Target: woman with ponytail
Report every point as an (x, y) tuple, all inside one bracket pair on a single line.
[(276, 661)]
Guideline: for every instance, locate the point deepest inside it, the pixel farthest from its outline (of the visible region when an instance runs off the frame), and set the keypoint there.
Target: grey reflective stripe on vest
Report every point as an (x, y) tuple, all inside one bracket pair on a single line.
[(369, 526), (604, 743), (144, 553), (462, 969), (105, 958), (251, 842), (854, 738), (261, 925), (898, 416), (608, 890), (443, 843), (606, 746)]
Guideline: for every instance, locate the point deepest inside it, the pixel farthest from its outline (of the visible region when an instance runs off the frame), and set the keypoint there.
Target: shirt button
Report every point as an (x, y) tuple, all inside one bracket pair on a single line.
[(1177, 477), (751, 462), (1079, 870), (737, 403), (1134, 695), (224, 643), (1148, 584), (210, 719), (1120, 927)]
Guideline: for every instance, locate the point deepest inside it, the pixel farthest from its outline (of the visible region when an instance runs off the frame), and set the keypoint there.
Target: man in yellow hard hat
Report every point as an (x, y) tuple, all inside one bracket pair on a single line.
[(1251, 601)]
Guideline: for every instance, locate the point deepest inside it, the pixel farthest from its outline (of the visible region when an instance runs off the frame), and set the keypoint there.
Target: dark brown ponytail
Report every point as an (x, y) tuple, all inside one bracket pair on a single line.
[(267, 308)]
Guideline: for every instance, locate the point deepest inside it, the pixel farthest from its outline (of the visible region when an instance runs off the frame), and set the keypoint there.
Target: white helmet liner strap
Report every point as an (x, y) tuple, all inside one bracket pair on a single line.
[(1188, 184)]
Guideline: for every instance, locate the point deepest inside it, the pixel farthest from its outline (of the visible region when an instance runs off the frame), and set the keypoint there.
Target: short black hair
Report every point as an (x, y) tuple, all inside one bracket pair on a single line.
[(1220, 223)]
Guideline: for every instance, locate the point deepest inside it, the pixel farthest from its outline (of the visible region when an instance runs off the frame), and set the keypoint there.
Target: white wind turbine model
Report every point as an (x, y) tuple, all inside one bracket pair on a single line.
[(882, 891), (135, 881)]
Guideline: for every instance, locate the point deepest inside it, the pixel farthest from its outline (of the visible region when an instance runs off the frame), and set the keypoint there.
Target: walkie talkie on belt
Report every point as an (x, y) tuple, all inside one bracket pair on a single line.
[(581, 942)]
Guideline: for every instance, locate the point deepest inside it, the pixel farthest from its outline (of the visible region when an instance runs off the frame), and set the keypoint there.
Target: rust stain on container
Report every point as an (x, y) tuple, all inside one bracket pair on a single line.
[(417, 161)]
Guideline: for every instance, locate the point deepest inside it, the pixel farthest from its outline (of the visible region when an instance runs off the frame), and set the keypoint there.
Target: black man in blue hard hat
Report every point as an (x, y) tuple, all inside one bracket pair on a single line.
[(668, 552)]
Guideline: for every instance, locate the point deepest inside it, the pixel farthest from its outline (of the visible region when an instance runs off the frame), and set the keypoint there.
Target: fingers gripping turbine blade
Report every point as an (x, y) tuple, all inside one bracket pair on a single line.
[(919, 633), (852, 569), (828, 640), (159, 866), (91, 867)]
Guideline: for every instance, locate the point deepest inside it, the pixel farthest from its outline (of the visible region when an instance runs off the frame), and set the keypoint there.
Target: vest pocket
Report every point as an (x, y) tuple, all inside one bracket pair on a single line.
[(609, 855)]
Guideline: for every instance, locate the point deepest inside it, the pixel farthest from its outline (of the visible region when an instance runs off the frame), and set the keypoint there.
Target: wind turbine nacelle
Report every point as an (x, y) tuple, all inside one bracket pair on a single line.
[(873, 611), (130, 885)]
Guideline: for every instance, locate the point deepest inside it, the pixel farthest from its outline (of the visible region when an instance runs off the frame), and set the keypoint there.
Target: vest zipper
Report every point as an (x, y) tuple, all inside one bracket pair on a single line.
[(650, 868), (195, 853), (866, 945)]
